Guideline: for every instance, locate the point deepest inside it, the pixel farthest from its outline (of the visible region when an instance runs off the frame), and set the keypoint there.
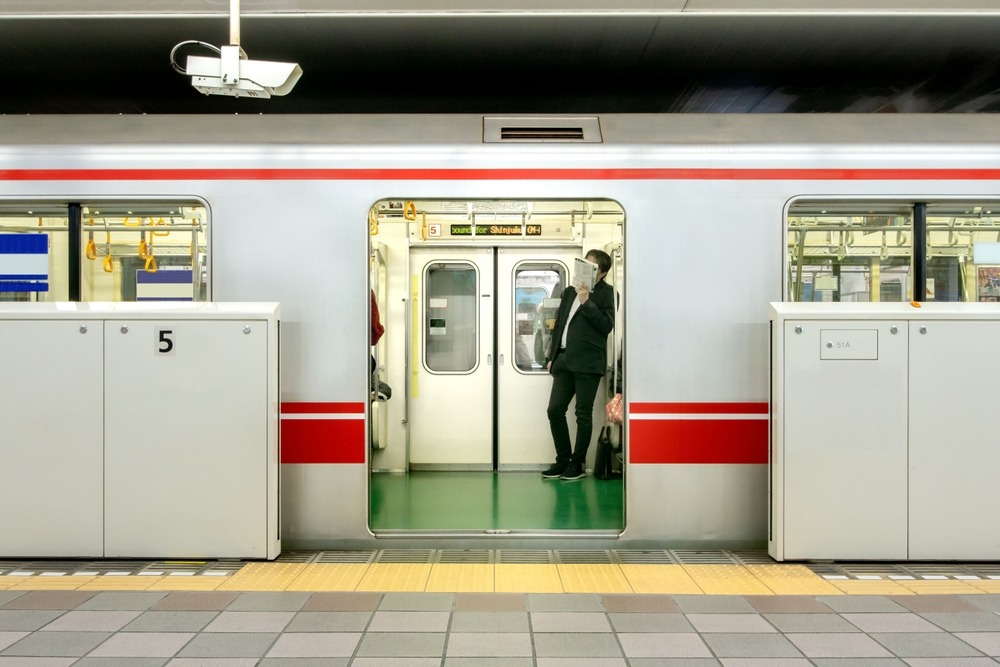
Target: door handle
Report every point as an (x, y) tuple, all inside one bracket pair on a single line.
[(501, 360), (489, 359)]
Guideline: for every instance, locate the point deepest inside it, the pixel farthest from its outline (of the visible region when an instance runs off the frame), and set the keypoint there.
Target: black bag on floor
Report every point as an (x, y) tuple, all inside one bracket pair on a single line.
[(604, 467)]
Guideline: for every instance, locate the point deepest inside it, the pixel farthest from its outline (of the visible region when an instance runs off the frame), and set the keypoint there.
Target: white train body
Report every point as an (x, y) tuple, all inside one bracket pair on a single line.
[(703, 251)]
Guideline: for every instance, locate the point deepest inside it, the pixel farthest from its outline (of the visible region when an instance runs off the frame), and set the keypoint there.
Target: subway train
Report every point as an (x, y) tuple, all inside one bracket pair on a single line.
[(464, 230)]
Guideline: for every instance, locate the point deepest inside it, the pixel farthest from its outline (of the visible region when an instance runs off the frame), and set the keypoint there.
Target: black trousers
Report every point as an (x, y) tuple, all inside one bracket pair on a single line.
[(565, 385)]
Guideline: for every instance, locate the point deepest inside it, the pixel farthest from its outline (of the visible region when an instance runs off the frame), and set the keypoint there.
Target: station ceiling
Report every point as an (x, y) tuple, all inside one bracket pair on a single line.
[(513, 57)]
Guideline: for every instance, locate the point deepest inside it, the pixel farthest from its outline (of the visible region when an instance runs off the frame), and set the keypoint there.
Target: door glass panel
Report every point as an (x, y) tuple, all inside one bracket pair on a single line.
[(537, 288), (451, 319), (849, 252), (963, 252)]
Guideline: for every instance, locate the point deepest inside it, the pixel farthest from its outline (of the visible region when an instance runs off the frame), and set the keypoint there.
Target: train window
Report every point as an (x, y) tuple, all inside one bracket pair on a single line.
[(963, 252), (126, 251), (864, 252), (849, 252), (537, 289), (141, 251), (451, 323), (33, 250)]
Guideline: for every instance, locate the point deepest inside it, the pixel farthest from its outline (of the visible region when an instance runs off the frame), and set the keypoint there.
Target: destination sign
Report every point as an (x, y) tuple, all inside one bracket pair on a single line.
[(496, 230)]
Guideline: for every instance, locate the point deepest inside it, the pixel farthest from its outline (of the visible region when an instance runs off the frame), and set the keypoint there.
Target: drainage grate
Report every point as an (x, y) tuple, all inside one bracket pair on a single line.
[(826, 570), (873, 571), (122, 568), (175, 567), (645, 557), (583, 557), (295, 557), (465, 556), (753, 557), (898, 571), (524, 557), (985, 570), (39, 567), (404, 556), (346, 557), (218, 567), (693, 557)]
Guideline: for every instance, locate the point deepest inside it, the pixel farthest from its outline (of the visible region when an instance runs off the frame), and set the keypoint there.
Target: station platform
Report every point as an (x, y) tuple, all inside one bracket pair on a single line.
[(498, 607)]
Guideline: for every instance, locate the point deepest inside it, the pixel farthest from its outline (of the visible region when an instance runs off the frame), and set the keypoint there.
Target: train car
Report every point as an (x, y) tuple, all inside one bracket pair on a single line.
[(464, 230)]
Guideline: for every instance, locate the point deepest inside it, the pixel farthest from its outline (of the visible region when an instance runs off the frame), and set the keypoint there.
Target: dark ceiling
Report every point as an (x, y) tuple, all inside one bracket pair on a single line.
[(519, 65)]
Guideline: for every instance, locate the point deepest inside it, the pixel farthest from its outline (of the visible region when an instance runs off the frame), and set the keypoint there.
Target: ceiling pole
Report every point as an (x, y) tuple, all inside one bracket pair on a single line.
[(234, 22)]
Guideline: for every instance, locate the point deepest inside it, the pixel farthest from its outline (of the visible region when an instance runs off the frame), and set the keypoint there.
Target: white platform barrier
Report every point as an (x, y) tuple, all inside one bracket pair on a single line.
[(884, 439), (146, 430)]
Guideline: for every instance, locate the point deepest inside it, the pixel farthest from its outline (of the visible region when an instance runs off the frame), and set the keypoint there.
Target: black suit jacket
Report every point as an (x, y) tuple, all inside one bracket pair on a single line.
[(587, 339)]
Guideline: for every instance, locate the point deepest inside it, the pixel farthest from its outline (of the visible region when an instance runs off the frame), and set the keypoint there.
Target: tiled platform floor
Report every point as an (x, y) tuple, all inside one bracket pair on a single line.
[(545, 609), (230, 628)]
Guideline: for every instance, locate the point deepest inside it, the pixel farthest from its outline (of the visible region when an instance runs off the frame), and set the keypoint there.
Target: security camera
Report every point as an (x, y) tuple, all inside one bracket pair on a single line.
[(233, 74)]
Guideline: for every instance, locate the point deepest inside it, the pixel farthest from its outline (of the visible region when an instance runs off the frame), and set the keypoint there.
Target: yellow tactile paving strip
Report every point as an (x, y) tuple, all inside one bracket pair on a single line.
[(727, 580), (526, 578), (671, 579), (792, 580), (660, 578)]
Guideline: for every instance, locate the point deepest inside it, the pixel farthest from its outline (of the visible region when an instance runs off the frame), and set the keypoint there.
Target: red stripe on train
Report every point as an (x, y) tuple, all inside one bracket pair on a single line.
[(639, 174), (322, 408), (323, 441), (704, 441), (698, 408)]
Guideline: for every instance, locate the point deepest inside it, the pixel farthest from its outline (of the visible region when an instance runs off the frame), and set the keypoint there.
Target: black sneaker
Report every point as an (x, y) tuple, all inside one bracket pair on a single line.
[(573, 471), (554, 471)]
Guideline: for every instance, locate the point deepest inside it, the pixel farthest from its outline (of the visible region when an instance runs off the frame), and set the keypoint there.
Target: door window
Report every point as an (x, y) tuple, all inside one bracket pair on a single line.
[(537, 288), (451, 318)]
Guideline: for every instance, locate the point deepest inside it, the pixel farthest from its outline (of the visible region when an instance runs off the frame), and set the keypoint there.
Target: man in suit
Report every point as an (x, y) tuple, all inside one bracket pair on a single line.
[(577, 360)]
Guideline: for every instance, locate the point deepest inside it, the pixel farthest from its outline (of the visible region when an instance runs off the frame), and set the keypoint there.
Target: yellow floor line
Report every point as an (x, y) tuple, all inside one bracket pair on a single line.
[(870, 587), (582, 578), (391, 577), (192, 583), (526, 578), (726, 580), (792, 580), (641, 578), (126, 583), (660, 578), (945, 587), (986, 585), (329, 577), (66, 583), (460, 578), (263, 577)]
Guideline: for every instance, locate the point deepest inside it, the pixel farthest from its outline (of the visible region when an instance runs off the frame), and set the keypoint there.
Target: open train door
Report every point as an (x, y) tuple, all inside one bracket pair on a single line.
[(471, 292)]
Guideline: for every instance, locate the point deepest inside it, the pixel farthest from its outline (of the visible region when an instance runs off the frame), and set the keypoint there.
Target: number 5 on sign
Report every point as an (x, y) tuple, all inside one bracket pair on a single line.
[(165, 343)]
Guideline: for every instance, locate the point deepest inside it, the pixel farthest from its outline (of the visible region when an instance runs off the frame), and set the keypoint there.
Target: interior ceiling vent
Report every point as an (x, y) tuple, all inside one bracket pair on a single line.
[(546, 129)]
